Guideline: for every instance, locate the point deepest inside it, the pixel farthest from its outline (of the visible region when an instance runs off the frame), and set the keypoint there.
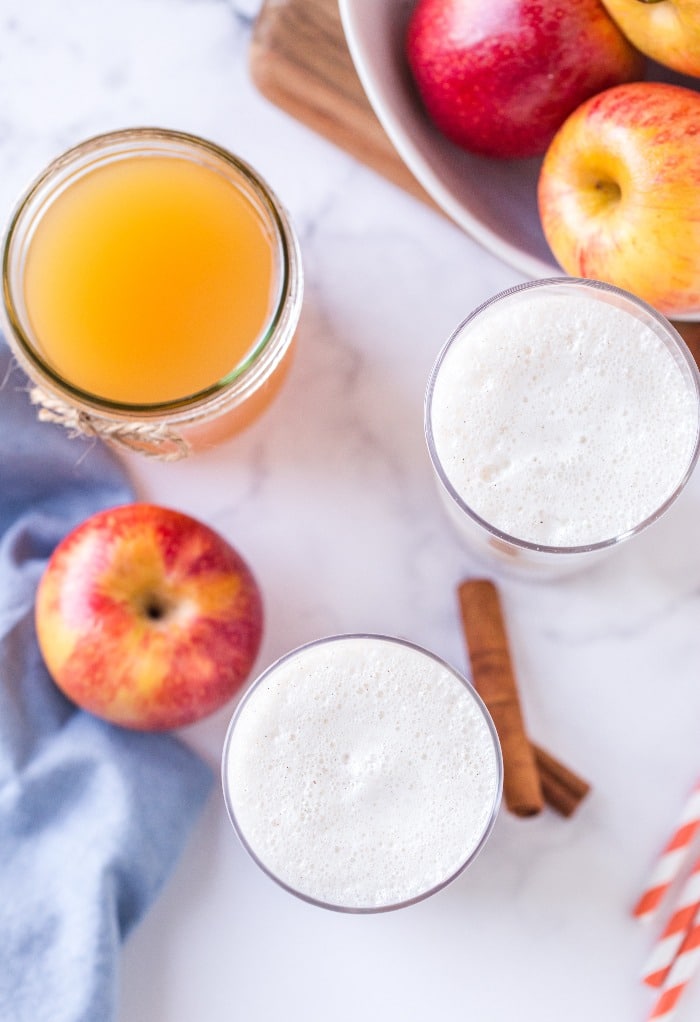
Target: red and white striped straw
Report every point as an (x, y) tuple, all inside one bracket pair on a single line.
[(671, 939), (682, 971), (672, 858)]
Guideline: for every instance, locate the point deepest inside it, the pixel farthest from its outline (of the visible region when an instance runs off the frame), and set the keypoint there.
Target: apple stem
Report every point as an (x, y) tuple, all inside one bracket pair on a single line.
[(155, 608), (610, 189)]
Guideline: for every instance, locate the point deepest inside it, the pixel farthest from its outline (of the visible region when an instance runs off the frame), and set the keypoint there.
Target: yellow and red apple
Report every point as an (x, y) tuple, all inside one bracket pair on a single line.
[(668, 31), (619, 193), (499, 78), (147, 617)]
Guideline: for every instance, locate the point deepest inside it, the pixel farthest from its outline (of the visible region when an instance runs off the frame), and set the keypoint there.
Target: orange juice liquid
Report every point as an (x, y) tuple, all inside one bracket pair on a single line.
[(149, 279)]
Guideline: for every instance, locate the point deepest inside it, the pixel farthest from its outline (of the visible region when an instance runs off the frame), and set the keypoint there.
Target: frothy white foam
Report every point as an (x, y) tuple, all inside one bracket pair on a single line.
[(362, 772), (561, 419)]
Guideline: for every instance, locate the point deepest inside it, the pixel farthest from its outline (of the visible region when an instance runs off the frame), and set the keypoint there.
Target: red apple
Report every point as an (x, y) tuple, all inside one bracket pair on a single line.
[(147, 617), (668, 31), (500, 78), (619, 193)]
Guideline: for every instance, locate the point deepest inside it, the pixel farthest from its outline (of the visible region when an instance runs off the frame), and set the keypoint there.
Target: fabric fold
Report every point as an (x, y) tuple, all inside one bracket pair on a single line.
[(92, 817)]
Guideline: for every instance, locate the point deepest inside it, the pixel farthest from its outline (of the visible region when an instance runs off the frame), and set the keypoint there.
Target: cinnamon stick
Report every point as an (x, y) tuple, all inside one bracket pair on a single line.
[(690, 332), (494, 680), (563, 790)]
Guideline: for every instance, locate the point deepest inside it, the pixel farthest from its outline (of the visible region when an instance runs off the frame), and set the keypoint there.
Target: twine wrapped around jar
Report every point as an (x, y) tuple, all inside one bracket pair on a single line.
[(153, 441)]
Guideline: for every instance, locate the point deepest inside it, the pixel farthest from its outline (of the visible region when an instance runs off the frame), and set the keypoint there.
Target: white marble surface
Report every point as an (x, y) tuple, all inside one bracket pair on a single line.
[(330, 498)]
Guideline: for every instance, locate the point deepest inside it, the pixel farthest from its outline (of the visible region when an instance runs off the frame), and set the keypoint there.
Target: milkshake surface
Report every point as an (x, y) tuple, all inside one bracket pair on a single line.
[(362, 772), (560, 417)]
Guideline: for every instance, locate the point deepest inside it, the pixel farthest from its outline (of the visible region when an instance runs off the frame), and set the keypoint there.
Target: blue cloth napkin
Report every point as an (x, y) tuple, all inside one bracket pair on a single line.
[(92, 817)]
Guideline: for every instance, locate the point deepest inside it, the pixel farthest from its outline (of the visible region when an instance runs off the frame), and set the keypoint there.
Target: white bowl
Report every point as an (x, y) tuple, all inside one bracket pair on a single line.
[(494, 201)]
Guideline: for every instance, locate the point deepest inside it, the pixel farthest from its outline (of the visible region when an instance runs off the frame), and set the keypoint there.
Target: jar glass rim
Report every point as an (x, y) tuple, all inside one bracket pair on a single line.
[(125, 143)]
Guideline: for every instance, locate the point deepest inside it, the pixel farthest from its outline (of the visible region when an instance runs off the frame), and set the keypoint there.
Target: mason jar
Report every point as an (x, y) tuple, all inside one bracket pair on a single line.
[(169, 426)]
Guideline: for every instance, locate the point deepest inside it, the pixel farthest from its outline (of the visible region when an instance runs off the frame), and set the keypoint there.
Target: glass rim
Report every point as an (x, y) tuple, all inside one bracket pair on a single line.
[(124, 143), (671, 335), (471, 690)]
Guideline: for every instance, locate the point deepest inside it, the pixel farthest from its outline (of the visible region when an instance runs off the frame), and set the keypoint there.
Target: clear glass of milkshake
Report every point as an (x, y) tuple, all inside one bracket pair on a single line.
[(562, 419), (362, 773)]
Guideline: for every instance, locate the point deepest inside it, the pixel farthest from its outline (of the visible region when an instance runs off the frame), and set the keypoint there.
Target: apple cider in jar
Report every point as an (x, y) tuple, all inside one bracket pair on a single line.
[(152, 288)]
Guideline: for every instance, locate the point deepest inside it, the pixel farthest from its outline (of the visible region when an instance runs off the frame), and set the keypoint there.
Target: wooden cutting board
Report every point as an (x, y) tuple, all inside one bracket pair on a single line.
[(299, 60)]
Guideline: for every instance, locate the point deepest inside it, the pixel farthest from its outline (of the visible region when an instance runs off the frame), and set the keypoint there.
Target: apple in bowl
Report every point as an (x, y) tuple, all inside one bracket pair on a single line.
[(148, 618), (668, 31), (619, 193), (499, 79)]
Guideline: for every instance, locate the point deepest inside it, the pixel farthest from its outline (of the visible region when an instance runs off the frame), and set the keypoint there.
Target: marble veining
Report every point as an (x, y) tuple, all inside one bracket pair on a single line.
[(330, 497)]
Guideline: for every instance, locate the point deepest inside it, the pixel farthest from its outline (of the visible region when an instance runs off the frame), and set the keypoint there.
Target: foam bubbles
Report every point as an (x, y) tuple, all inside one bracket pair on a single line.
[(388, 784), (562, 420)]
